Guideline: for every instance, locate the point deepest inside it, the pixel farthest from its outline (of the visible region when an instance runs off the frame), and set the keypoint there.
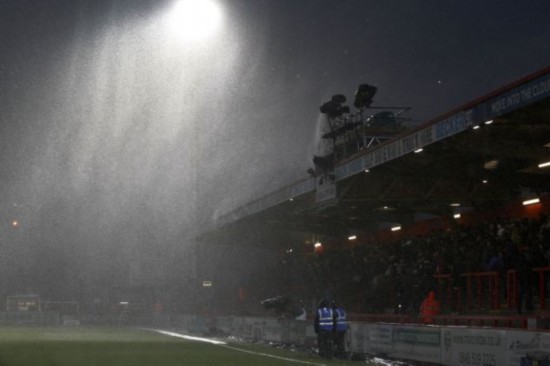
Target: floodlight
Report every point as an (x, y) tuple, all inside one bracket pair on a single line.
[(364, 95), (339, 98), (334, 107), (331, 109)]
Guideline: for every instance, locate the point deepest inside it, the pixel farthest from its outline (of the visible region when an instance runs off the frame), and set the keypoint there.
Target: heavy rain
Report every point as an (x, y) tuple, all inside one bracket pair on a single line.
[(128, 128)]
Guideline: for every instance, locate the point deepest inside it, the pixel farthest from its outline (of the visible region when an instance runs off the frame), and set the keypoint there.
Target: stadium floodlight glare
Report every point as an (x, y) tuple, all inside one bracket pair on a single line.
[(489, 122), (396, 228), (456, 216), (352, 237), (531, 202), (544, 165), (418, 150), (195, 20)]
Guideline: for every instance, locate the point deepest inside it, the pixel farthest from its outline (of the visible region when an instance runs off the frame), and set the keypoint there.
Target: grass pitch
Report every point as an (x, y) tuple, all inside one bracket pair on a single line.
[(120, 347)]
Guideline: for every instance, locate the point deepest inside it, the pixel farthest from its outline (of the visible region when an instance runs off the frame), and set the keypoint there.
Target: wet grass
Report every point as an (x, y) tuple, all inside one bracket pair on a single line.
[(121, 347)]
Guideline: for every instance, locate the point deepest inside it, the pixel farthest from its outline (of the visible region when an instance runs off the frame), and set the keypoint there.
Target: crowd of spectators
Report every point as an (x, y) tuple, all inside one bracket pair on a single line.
[(395, 276)]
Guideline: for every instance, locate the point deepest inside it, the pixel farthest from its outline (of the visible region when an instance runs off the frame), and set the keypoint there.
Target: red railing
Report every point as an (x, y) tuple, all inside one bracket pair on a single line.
[(480, 320), (514, 321), (542, 285), (512, 289), (482, 280)]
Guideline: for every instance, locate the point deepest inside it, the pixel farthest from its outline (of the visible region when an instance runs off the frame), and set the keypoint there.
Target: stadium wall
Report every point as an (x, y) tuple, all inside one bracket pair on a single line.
[(44, 318), (462, 346)]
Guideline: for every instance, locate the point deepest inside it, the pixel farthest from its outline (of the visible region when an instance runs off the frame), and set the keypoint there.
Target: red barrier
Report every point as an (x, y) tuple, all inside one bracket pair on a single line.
[(514, 321), (542, 293), (491, 321), (384, 318), (492, 293), (450, 301), (512, 289)]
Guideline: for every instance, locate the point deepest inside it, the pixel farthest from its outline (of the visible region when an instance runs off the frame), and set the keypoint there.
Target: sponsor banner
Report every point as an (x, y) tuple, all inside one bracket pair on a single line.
[(359, 338), (225, 323), (260, 328), (406, 342), (417, 343), (473, 347), (519, 97), (272, 330), (297, 331), (520, 344), (325, 190), (238, 326), (381, 339)]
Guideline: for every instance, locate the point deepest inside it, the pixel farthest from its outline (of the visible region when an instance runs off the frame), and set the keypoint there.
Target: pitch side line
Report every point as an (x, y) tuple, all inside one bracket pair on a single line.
[(224, 344)]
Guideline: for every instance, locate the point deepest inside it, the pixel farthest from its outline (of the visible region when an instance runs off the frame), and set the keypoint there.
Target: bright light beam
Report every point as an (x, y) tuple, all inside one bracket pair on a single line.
[(195, 20)]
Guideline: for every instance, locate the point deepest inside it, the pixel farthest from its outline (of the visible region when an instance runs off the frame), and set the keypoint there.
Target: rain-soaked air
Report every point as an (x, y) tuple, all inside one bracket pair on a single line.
[(280, 182)]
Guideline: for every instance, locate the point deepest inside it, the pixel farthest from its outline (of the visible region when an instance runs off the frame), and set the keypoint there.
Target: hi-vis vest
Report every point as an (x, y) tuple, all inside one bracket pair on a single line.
[(341, 320), (326, 321)]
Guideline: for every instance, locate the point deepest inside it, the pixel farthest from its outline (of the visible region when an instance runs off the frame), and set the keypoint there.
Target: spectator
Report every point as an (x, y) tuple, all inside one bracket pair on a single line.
[(429, 308)]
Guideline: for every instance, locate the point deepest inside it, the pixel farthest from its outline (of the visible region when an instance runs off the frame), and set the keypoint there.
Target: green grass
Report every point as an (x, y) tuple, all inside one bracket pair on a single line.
[(120, 347)]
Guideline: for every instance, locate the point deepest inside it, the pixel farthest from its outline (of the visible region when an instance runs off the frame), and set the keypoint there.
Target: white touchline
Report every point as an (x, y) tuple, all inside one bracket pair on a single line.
[(199, 339), (273, 356), (177, 335)]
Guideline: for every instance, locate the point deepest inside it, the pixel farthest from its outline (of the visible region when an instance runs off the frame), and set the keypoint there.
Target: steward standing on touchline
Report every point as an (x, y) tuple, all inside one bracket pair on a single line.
[(324, 326)]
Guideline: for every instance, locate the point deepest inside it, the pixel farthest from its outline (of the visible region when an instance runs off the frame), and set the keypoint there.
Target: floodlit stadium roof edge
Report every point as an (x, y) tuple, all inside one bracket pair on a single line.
[(504, 100)]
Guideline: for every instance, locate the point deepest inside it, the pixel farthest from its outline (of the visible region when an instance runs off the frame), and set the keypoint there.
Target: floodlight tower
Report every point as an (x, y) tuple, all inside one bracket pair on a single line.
[(334, 110)]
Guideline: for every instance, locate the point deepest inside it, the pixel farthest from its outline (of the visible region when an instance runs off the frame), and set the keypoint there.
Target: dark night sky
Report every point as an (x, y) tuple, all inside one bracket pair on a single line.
[(112, 139)]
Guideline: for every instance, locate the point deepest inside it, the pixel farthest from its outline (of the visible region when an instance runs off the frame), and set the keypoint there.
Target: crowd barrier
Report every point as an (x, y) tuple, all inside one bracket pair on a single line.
[(484, 290), (446, 345)]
